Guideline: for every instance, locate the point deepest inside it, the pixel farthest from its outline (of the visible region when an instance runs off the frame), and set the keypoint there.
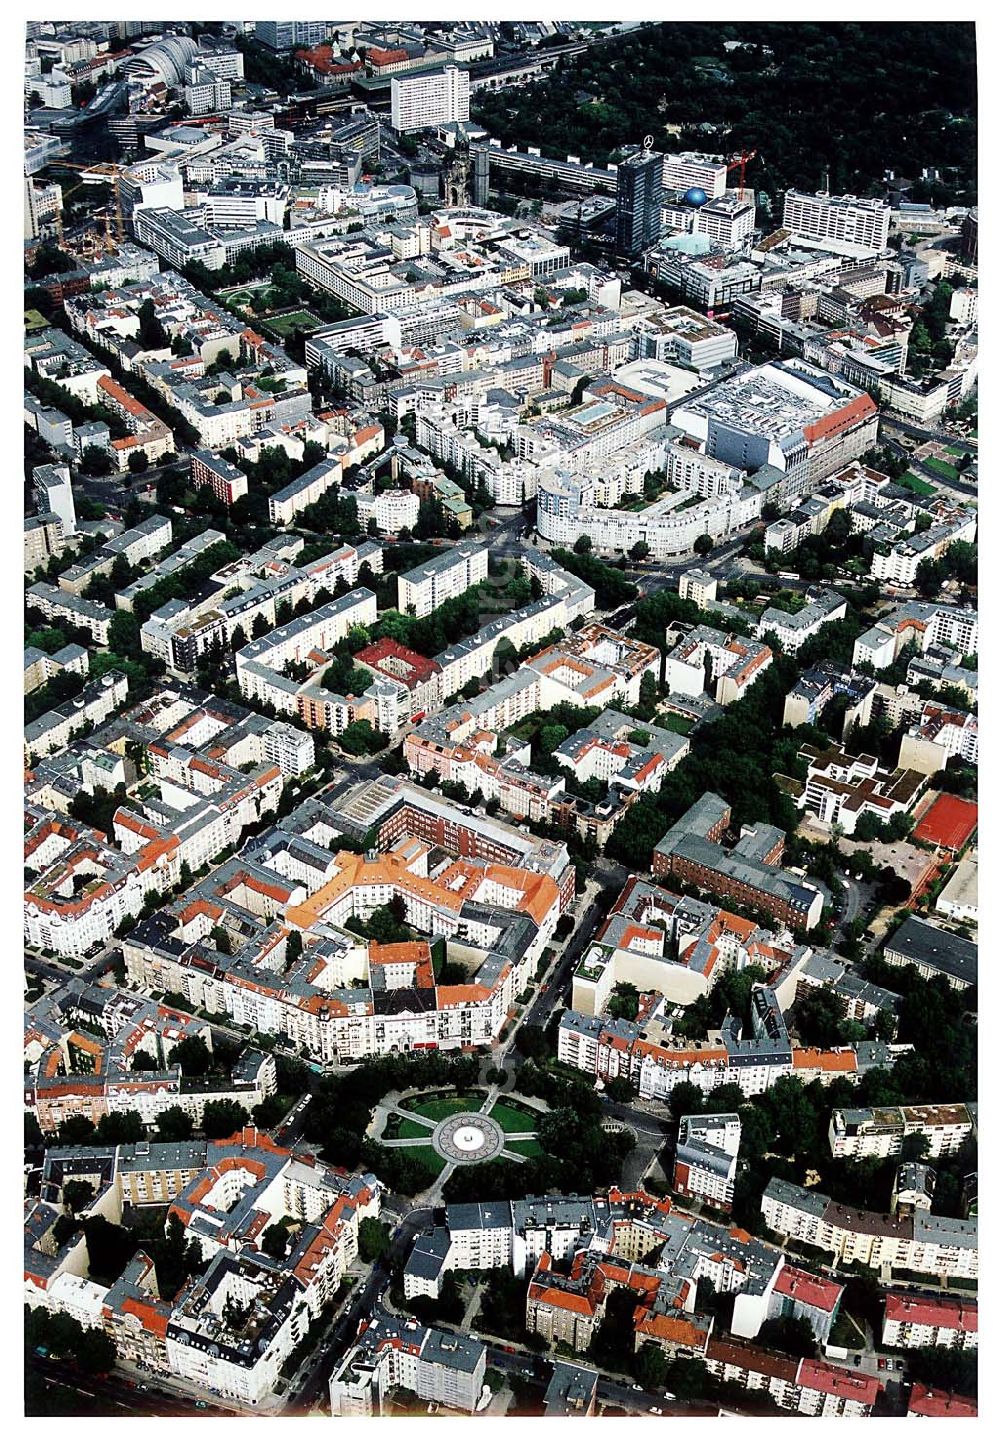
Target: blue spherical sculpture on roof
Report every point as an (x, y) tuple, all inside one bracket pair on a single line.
[(695, 196)]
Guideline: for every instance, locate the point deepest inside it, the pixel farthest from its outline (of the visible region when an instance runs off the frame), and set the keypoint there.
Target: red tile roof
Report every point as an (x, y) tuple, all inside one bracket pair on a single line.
[(811, 1290), (932, 1402), (932, 1311), (386, 57), (838, 1382), (412, 668)]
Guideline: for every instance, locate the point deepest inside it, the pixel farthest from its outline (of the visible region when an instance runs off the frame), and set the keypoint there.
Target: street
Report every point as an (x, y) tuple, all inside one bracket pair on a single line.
[(142, 1398), (53, 970), (312, 1386)]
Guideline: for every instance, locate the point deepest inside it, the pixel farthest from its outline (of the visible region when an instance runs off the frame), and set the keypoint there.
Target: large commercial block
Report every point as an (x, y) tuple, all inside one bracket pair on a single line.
[(789, 415), (934, 952), (421, 101), (845, 218), (692, 170)]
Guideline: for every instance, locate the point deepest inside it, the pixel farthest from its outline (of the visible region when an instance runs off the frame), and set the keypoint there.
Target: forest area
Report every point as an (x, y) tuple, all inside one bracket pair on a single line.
[(857, 99)]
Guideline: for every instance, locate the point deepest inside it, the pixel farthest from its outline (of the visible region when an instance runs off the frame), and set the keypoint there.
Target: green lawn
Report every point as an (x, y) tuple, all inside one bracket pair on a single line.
[(406, 1128), (941, 468), (428, 1158), (526, 1149), (917, 484), (444, 1107), (513, 1119), (672, 722), (285, 325)]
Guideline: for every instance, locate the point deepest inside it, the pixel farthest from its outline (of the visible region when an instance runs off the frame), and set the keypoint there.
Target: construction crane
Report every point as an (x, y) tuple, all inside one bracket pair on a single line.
[(740, 162), (103, 174)]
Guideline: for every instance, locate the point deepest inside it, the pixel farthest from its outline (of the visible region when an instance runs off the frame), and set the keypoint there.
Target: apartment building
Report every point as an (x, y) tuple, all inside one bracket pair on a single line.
[(747, 874), (40, 668), (451, 573), (916, 1321), (802, 1294), (54, 495), (729, 664), (899, 561), (840, 788), (698, 586), (880, 1131), (818, 686), (444, 1367), (43, 540), (614, 750), (931, 1245), (53, 730), (285, 504), (226, 482), (793, 628), (923, 624), (391, 511), (705, 1159), (260, 664), (234, 1330), (139, 543), (813, 1389), (148, 433), (413, 673), (936, 736), (81, 890), (935, 1402), (55, 604)]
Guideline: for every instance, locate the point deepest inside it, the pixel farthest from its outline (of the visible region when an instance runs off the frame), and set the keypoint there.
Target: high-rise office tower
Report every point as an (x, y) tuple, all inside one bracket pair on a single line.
[(640, 200), (284, 34)]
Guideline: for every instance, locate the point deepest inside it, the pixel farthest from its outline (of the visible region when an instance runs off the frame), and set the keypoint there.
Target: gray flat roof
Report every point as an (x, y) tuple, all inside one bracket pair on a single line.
[(932, 946)]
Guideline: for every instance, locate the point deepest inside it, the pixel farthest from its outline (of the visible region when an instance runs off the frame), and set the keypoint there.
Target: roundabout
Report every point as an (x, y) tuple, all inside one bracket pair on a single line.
[(468, 1137), (442, 1130)]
